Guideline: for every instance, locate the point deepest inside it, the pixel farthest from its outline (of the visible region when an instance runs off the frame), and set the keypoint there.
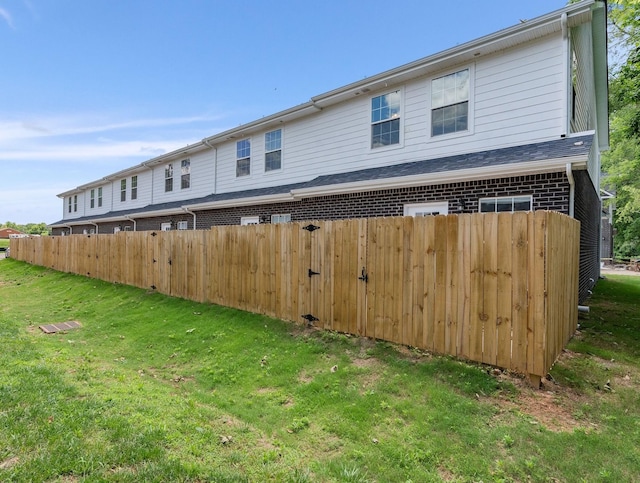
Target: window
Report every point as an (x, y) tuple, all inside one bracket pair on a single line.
[(505, 203), (385, 120), (128, 228), (134, 187), (93, 198), (99, 197), (243, 158), (123, 190), (70, 204), (273, 150), (286, 218), (183, 225), (168, 178), (250, 220), (185, 174), (75, 203), (450, 103), (427, 209), (165, 226)]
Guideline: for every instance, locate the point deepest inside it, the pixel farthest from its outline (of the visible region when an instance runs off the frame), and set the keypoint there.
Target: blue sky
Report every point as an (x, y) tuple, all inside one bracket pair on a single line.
[(90, 87)]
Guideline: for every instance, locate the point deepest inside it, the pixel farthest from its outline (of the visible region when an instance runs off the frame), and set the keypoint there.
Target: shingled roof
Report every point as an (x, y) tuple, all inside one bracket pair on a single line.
[(557, 149)]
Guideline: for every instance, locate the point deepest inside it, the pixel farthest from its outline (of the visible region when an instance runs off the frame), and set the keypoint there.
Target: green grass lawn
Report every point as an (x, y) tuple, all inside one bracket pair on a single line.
[(159, 389)]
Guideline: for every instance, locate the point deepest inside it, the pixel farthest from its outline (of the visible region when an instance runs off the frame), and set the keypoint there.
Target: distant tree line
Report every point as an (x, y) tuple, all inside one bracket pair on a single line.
[(29, 228), (621, 165)]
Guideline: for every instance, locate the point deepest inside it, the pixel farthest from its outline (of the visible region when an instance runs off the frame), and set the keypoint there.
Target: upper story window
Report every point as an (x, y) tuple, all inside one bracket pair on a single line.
[(505, 203), (185, 174), (273, 150), (123, 190), (243, 158), (75, 203), (70, 202), (450, 103), (99, 197), (134, 187), (168, 178), (93, 198), (385, 120)]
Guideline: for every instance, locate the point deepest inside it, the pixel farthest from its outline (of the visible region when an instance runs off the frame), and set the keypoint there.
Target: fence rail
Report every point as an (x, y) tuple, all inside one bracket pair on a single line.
[(501, 289)]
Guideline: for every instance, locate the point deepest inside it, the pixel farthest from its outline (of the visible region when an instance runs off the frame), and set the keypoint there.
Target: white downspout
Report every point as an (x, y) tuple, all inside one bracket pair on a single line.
[(572, 190), (132, 220), (566, 54), (96, 225), (186, 210)]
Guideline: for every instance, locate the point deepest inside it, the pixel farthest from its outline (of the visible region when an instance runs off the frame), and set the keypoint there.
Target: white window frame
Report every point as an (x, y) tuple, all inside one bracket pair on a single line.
[(281, 218), (123, 190), (505, 198), (399, 116), (249, 220), (427, 209), (93, 198), (165, 226), (271, 149), (100, 197), (168, 178), (185, 174), (134, 187), (470, 105), (244, 155), (182, 225)]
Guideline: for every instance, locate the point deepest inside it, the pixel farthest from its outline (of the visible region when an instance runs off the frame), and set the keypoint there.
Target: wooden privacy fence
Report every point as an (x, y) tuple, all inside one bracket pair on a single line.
[(500, 289)]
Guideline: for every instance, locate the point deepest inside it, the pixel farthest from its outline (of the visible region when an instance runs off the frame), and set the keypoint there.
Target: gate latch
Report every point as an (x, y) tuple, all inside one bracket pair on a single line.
[(311, 227), (364, 277), (309, 318), (311, 273)]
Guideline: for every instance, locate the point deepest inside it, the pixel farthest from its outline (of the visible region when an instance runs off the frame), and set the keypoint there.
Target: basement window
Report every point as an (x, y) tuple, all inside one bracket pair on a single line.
[(506, 204), (284, 218)]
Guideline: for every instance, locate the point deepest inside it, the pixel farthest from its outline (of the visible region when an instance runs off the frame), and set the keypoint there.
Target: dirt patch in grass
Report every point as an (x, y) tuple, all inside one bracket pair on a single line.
[(8, 463), (553, 406)]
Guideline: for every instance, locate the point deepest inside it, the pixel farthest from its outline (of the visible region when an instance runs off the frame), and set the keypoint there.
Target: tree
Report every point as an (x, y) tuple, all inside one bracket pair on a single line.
[(622, 163)]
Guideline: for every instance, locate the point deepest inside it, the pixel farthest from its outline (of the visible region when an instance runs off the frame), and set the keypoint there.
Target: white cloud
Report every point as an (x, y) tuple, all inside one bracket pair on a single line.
[(34, 126), (7, 16), (84, 152)]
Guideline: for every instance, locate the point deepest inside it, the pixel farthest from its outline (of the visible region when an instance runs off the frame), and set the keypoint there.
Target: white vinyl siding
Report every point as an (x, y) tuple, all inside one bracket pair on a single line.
[(517, 96)]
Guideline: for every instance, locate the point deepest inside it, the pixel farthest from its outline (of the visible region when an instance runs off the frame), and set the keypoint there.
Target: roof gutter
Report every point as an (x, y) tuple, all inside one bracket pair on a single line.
[(251, 200), (426, 179)]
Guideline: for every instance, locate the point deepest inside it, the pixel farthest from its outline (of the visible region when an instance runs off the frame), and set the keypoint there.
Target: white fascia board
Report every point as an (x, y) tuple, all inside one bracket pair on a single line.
[(272, 121), (445, 177), (249, 200), (522, 32)]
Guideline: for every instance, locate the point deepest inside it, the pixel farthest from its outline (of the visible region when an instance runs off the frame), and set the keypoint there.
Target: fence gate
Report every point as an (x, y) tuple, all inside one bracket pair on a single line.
[(333, 276)]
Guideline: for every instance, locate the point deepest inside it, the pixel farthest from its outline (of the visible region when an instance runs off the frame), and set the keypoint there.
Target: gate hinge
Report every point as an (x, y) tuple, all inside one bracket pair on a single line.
[(364, 277), (309, 318), (310, 227), (311, 273)]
